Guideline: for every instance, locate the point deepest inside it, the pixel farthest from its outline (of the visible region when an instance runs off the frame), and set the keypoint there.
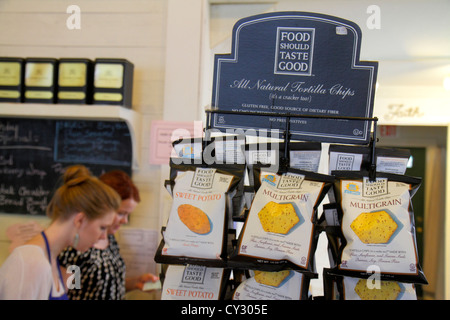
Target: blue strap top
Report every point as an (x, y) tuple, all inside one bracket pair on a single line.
[(50, 297)]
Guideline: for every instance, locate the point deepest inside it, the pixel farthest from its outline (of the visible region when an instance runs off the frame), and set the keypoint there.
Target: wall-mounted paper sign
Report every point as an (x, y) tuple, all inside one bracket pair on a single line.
[(296, 63), (163, 133)]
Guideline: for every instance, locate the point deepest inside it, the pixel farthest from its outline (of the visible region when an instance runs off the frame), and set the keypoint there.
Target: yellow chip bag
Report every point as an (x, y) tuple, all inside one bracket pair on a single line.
[(278, 217), (280, 227), (388, 290), (273, 279), (374, 227), (377, 225)]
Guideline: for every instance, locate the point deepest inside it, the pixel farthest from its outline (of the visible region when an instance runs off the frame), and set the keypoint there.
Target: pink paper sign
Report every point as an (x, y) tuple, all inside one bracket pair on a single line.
[(163, 133)]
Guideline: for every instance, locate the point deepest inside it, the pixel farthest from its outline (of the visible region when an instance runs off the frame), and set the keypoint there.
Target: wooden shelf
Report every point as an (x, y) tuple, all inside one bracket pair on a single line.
[(79, 112)]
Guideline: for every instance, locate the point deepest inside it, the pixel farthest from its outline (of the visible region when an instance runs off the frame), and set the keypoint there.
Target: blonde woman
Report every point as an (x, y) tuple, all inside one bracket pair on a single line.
[(81, 212), (102, 268)]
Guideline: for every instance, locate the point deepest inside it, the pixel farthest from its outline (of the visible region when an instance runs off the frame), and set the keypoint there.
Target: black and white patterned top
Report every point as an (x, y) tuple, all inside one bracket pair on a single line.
[(102, 272)]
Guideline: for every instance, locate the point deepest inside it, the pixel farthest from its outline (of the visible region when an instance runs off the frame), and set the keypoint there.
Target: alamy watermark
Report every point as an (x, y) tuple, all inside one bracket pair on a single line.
[(74, 280), (73, 22), (218, 147), (374, 280), (374, 19)]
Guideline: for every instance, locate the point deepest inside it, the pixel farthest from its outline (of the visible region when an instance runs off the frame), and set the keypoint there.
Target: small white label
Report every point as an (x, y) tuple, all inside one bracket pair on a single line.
[(342, 31)]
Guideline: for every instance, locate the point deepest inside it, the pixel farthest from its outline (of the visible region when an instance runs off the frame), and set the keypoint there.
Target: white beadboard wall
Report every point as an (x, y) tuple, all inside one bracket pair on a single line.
[(131, 29)]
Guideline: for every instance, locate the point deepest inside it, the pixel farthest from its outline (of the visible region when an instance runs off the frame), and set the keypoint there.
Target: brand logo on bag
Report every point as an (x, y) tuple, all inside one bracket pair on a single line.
[(352, 188), (290, 181), (203, 178), (375, 188), (194, 274), (270, 179), (187, 152)]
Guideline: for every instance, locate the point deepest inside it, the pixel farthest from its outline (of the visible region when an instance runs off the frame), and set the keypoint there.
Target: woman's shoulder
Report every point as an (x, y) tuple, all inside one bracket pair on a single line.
[(26, 273), (30, 255), (28, 251), (26, 259)]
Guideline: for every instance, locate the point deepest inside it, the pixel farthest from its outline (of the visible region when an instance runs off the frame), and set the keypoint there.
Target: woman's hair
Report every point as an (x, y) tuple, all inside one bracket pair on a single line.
[(121, 182), (82, 192)]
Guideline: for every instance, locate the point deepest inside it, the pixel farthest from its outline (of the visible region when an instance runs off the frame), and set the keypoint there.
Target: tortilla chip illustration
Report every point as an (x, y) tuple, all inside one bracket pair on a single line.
[(374, 227), (194, 218), (278, 217), (273, 279), (389, 290)]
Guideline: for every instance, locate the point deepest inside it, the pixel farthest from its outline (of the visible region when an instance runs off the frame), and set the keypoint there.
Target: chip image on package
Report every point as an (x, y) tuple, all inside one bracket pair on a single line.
[(273, 279), (278, 217), (374, 227), (388, 290), (194, 218)]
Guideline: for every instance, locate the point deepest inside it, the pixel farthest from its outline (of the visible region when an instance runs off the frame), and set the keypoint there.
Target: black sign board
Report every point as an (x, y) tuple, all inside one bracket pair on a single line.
[(34, 153), (295, 63)]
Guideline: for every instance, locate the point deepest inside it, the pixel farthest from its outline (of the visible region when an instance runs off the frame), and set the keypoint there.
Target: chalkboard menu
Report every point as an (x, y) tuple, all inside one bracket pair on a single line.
[(296, 63), (35, 152)]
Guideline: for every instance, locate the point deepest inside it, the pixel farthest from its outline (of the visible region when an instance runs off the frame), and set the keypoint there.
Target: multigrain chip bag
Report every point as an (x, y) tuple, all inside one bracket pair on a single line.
[(356, 158), (273, 279), (280, 285), (280, 227), (302, 155), (392, 160), (197, 226), (387, 290), (337, 287), (378, 225)]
